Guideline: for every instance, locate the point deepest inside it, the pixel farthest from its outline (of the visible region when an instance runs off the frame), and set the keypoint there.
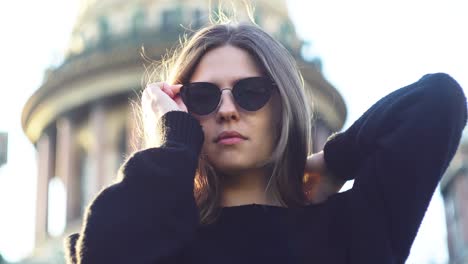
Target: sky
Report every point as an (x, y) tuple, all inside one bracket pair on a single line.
[(368, 49), (33, 37)]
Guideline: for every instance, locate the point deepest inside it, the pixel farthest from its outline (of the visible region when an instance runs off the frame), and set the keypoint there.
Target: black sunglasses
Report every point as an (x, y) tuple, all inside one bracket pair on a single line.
[(203, 98)]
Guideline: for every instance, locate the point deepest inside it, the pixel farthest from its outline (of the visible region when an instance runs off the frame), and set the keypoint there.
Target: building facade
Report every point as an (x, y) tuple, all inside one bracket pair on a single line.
[(454, 188), (3, 148), (81, 119)]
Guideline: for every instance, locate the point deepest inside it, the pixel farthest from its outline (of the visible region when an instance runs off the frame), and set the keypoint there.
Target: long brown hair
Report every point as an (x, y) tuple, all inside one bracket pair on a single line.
[(288, 159)]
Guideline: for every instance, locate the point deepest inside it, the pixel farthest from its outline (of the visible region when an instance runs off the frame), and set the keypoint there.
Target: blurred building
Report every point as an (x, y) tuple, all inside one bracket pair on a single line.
[(80, 119), (454, 188), (3, 148)]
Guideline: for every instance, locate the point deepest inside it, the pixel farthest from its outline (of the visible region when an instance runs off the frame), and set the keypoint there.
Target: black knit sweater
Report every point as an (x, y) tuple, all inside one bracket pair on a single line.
[(397, 152)]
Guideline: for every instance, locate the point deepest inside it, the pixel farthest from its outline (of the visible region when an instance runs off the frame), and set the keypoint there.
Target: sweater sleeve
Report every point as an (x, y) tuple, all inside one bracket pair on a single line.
[(151, 213), (398, 150)]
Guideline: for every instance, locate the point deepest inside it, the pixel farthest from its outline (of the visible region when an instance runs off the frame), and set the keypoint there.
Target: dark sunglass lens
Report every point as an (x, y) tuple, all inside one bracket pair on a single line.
[(253, 93), (200, 98)]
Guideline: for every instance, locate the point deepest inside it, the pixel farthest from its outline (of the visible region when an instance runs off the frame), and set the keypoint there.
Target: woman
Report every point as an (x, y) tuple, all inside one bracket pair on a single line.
[(225, 184)]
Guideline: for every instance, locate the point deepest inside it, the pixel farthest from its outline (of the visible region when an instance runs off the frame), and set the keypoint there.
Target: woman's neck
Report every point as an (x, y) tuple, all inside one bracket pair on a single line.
[(245, 188)]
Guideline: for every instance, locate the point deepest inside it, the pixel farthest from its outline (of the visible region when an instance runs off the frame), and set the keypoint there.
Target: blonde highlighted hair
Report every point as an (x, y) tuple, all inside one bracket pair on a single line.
[(288, 159)]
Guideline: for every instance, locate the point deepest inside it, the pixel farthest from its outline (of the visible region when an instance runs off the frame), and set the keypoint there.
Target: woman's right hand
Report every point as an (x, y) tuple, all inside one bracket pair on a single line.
[(158, 99)]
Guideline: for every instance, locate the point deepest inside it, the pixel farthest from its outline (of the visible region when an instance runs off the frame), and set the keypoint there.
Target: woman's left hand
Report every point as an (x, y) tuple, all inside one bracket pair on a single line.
[(319, 183)]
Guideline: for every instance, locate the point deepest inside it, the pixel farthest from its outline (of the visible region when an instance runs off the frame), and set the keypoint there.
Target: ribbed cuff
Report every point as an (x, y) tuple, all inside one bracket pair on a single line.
[(342, 156), (181, 127)]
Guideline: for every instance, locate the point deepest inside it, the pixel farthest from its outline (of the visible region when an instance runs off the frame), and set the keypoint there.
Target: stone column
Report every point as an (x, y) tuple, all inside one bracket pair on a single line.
[(98, 146), (66, 167), (45, 158), (460, 184)]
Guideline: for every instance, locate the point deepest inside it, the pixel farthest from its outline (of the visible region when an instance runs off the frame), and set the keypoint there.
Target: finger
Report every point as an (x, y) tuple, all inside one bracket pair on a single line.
[(175, 88), (156, 102), (180, 103), (166, 88), (151, 89), (154, 95)]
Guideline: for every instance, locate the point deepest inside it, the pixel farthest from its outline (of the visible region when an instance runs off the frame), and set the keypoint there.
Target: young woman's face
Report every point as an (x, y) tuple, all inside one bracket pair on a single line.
[(223, 66)]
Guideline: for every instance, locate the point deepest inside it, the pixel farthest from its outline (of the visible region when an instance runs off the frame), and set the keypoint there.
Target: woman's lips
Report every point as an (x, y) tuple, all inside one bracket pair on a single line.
[(230, 140), (229, 137)]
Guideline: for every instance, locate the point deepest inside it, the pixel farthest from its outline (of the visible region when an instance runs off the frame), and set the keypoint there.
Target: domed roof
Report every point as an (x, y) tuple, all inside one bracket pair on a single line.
[(103, 60), (106, 18)]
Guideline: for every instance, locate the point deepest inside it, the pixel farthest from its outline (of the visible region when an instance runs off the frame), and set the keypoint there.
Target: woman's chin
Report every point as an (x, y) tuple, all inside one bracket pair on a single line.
[(231, 166)]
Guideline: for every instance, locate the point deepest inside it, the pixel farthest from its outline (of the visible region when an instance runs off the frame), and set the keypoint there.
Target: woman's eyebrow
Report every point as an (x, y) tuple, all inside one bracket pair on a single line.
[(232, 81)]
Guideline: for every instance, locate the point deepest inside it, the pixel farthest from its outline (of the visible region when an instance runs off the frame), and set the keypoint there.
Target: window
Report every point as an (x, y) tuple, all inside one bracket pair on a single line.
[(104, 32), (56, 208), (171, 19), (3, 148), (138, 21), (198, 20)]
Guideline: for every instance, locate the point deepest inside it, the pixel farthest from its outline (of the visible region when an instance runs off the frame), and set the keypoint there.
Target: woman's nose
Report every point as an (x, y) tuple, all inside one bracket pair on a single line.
[(227, 109)]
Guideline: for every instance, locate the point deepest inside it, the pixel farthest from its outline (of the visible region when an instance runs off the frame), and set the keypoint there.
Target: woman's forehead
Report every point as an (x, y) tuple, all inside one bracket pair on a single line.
[(225, 65)]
